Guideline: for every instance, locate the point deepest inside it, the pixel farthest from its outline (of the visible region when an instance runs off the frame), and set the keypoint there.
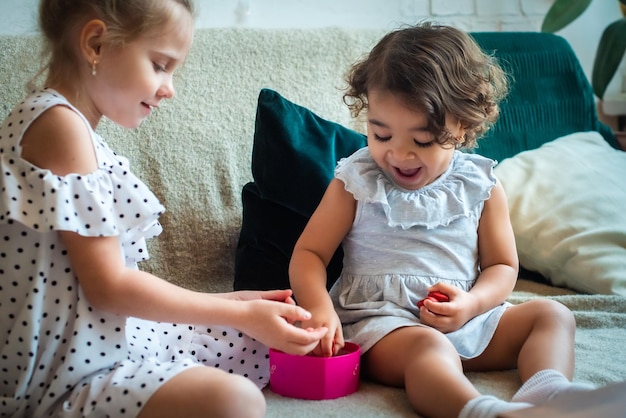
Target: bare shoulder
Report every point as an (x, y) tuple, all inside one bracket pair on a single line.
[(497, 199), (338, 188), (496, 239), (337, 198), (59, 140), (330, 222)]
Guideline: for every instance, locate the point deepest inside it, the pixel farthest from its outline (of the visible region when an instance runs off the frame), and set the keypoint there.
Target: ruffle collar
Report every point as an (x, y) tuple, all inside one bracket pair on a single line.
[(466, 183)]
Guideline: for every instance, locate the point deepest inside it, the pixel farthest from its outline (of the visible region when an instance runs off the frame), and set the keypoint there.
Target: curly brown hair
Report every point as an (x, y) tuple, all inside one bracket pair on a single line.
[(436, 69)]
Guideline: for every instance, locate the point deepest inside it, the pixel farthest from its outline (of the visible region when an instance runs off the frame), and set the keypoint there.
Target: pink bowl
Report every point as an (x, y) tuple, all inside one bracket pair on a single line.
[(311, 377)]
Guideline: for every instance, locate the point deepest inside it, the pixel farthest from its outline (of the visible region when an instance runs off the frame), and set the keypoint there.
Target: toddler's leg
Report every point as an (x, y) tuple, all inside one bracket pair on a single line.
[(545, 385), (538, 337), (426, 364), (546, 359)]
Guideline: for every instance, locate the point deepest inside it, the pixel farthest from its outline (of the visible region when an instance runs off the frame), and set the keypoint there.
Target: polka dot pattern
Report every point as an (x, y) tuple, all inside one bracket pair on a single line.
[(58, 355), (109, 201)]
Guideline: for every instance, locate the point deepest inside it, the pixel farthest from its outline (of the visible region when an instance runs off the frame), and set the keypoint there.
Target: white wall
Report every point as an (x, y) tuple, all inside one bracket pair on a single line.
[(19, 16)]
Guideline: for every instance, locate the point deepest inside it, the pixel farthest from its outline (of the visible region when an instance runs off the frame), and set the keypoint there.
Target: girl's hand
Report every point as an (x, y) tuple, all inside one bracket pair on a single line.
[(333, 341), (271, 322), (451, 315), (283, 295)]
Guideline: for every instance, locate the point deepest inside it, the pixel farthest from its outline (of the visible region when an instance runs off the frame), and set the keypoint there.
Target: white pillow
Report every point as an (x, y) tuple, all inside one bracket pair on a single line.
[(567, 201)]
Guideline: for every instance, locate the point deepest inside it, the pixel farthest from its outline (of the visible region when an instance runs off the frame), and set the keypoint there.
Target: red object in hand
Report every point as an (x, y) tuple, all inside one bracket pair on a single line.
[(435, 297)]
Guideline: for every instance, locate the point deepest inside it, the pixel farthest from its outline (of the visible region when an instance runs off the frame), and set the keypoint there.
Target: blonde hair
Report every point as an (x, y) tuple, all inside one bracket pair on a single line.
[(436, 69), (60, 22)]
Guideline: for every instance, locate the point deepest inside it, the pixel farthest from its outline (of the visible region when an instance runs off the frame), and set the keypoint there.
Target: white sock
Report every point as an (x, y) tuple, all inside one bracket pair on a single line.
[(545, 385), (487, 406)]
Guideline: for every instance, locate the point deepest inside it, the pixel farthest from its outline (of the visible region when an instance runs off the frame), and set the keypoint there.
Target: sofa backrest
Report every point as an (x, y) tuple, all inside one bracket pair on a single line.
[(550, 95)]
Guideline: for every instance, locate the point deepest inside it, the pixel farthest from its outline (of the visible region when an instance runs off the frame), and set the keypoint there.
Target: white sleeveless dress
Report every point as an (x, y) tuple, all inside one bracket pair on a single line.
[(59, 356)]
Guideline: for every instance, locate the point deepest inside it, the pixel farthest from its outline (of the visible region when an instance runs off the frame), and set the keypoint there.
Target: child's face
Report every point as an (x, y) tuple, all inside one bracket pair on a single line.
[(133, 79), (398, 139)]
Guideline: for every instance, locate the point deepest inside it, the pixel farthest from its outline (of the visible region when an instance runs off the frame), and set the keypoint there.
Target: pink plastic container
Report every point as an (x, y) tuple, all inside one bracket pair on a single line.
[(311, 377)]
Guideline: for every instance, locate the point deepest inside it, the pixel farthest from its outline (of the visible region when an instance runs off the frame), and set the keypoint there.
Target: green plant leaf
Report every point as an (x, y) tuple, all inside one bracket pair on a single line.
[(562, 13), (610, 53)]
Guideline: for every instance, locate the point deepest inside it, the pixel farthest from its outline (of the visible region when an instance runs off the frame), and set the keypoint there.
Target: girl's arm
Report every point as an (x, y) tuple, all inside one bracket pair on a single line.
[(497, 251), (499, 267), (59, 141), (321, 237), (110, 286)]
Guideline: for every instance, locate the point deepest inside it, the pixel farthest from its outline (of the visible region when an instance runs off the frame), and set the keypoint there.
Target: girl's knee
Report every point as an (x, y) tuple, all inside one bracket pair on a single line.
[(555, 312), (241, 398), (556, 309), (407, 351), (207, 392), (437, 342)]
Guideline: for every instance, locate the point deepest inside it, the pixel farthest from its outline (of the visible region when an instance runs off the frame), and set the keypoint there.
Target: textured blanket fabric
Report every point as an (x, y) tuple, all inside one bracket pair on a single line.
[(195, 155), (600, 359)]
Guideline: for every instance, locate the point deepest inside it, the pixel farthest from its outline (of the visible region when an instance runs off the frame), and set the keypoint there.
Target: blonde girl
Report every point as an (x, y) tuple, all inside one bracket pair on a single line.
[(84, 332)]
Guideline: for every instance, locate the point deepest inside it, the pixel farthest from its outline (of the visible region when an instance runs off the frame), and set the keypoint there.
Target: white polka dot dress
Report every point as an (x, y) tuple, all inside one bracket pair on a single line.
[(58, 355)]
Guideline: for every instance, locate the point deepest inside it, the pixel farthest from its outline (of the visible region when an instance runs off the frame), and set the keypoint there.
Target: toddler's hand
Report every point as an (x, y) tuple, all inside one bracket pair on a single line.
[(447, 308), (435, 296), (333, 341)]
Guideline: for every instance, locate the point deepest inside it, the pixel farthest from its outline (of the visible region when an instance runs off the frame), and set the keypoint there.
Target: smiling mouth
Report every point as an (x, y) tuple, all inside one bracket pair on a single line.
[(407, 173)]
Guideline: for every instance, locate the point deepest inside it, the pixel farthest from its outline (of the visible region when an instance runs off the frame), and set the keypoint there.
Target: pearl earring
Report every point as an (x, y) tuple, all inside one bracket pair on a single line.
[(93, 68)]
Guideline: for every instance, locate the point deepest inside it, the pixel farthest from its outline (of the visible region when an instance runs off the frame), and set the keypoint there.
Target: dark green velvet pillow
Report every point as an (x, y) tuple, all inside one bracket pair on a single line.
[(295, 152), (293, 159)]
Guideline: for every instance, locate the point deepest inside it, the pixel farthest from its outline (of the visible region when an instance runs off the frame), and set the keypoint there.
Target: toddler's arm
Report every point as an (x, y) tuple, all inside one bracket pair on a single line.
[(499, 263), (323, 234)]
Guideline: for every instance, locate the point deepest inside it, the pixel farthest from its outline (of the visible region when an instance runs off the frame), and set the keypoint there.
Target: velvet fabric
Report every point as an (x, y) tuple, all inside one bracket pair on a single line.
[(549, 95), (293, 159)]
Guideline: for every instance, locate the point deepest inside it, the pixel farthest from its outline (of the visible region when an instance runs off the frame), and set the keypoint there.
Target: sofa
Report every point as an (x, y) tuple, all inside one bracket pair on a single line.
[(242, 153)]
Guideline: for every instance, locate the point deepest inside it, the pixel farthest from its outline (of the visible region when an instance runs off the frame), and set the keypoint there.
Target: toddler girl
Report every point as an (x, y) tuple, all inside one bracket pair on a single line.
[(417, 217)]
